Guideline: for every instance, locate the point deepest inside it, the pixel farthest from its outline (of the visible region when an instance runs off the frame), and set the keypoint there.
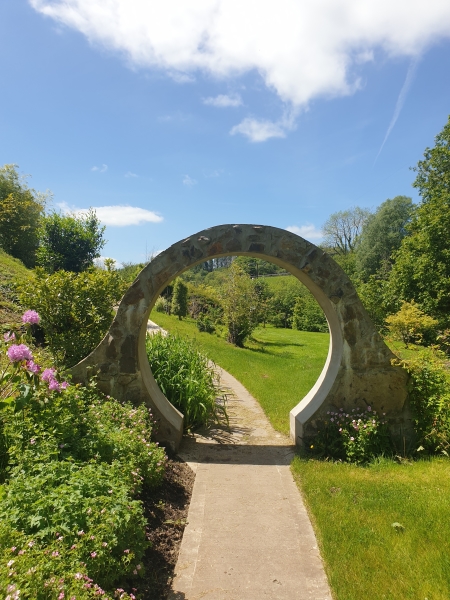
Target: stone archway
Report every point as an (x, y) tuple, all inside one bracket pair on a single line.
[(358, 370)]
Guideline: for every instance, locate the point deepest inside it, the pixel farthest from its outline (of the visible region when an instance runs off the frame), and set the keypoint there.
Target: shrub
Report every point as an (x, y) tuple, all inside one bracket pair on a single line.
[(76, 309), (205, 324), (357, 437), (180, 299), (186, 377), (410, 324), (429, 395), (161, 305)]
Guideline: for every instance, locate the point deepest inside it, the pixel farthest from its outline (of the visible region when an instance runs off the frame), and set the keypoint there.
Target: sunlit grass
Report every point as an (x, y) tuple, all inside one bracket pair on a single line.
[(278, 366), (353, 509)]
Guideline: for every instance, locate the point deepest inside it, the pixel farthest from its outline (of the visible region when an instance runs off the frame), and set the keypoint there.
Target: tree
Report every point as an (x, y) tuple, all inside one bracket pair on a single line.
[(239, 303), (382, 235), (422, 264), (180, 299), (342, 229), (70, 242), (307, 315), (20, 211), (410, 324)]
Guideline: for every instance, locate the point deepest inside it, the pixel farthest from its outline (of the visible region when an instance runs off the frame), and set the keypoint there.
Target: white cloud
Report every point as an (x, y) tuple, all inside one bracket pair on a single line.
[(100, 262), (259, 130), (130, 174), (223, 100), (308, 231), (116, 216), (101, 169), (302, 49), (189, 181)]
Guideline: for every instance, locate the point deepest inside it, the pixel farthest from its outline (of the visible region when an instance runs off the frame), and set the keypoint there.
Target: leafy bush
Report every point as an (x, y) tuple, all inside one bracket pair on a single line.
[(161, 305), (358, 436), (74, 463), (429, 394), (186, 377), (76, 309), (307, 315), (206, 324), (410, 324)]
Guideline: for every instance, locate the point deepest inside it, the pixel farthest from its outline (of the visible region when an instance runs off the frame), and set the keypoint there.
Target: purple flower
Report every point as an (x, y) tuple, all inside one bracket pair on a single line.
[(48, 374), (30, 316), (54, 386), (32, 367), (64, 385), (18, 352), (9, 337)]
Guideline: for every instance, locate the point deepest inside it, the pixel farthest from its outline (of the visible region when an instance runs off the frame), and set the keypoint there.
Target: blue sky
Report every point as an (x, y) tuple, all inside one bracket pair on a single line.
[(176, 116)]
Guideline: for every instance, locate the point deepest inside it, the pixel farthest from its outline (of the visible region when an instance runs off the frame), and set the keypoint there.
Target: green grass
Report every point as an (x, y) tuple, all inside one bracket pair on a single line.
[(278, 368), (12, 271), (353, 509)]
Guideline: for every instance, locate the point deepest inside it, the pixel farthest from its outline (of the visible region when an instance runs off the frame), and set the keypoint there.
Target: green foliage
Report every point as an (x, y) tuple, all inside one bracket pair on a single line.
[(206, 324), (239, 302), (69, 242), (129, 271), (307, 314), (187, 378), (20, 212), (358, 437), (410, 324), (180, 299), (422, 265), (429, 396), (161, 305), (382, 235), (76, 309), (255, 267), (12, 272), (285, 291)]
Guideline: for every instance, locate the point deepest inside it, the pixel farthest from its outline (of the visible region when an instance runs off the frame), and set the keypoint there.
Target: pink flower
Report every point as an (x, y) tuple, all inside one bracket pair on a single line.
[(78, 576), (61, 596), (81, 532), (93, 554), (64, 385), (14, 548), (18, 352), (32, 441), (30, 316), (73, 546), (21, 552), (31, 544), (32, 367), (48, 374), (54, 386), (352, 439), (9, 337), (55, 553), (126, 551)]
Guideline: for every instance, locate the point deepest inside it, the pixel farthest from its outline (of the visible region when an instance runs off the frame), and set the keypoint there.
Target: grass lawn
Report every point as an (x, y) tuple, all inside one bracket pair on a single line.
[(353, 509), (278, 367)]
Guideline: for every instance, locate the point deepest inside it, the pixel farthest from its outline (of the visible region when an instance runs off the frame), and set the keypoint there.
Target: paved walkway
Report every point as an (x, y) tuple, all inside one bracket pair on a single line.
[(248, 535)]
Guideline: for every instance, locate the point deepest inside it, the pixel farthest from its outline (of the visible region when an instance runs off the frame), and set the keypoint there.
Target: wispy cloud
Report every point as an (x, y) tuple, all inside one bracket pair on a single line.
[(212, 174), (223, 101), (303, 50), (130, 174), (119, 215), (400, 102), (189, 181), (260, 130), (308, 231), (101, 169)]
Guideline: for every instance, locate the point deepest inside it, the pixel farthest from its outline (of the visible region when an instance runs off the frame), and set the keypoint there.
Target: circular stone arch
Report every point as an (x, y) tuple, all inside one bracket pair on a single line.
[(357, 372)]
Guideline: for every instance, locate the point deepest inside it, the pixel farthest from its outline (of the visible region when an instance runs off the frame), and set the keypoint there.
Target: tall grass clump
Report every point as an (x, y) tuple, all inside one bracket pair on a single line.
[(187, 378)]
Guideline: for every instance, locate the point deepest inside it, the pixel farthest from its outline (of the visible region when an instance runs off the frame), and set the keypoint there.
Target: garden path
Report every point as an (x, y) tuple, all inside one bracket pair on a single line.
[(248, 535)]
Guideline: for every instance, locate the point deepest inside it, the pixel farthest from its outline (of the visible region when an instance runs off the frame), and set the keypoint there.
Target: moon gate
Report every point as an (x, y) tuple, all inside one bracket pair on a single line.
[(358, 370)]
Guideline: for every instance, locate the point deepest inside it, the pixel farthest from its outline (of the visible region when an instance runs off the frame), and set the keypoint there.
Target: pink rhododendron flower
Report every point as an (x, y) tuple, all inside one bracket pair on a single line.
[(32, 367), (30, 316), (48, 374), (9, 337), (18, 352), (54, 386)]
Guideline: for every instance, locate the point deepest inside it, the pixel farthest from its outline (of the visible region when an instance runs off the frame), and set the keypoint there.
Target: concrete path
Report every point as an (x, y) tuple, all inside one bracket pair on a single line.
[(248, 535)]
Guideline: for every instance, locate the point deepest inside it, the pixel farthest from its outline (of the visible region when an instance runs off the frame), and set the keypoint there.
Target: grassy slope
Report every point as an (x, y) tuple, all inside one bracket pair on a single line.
[(12, 271), (278, 368), (353, 509)]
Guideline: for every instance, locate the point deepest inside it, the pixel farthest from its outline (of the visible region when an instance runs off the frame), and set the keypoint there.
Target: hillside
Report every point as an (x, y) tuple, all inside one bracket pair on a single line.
[(12, 271)]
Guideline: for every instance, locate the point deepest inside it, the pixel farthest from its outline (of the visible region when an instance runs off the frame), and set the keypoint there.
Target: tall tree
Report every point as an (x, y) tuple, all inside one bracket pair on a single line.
[(70, 242), (180, 299), (382, 235), (422, 267), (342, 229), (240, 305), (20, 211)]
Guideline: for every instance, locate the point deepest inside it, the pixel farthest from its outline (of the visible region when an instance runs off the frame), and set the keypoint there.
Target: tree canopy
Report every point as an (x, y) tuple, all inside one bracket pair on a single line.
[(342, 229), (20, 212), (69, 242)]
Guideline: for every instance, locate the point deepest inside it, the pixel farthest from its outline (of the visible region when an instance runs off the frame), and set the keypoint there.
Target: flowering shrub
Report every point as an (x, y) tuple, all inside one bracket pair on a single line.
[(74, 463), (358, 436)]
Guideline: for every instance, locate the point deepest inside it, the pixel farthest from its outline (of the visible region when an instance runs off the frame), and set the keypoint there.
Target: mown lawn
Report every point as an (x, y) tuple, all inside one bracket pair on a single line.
[(353, 509), (279, 366)]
